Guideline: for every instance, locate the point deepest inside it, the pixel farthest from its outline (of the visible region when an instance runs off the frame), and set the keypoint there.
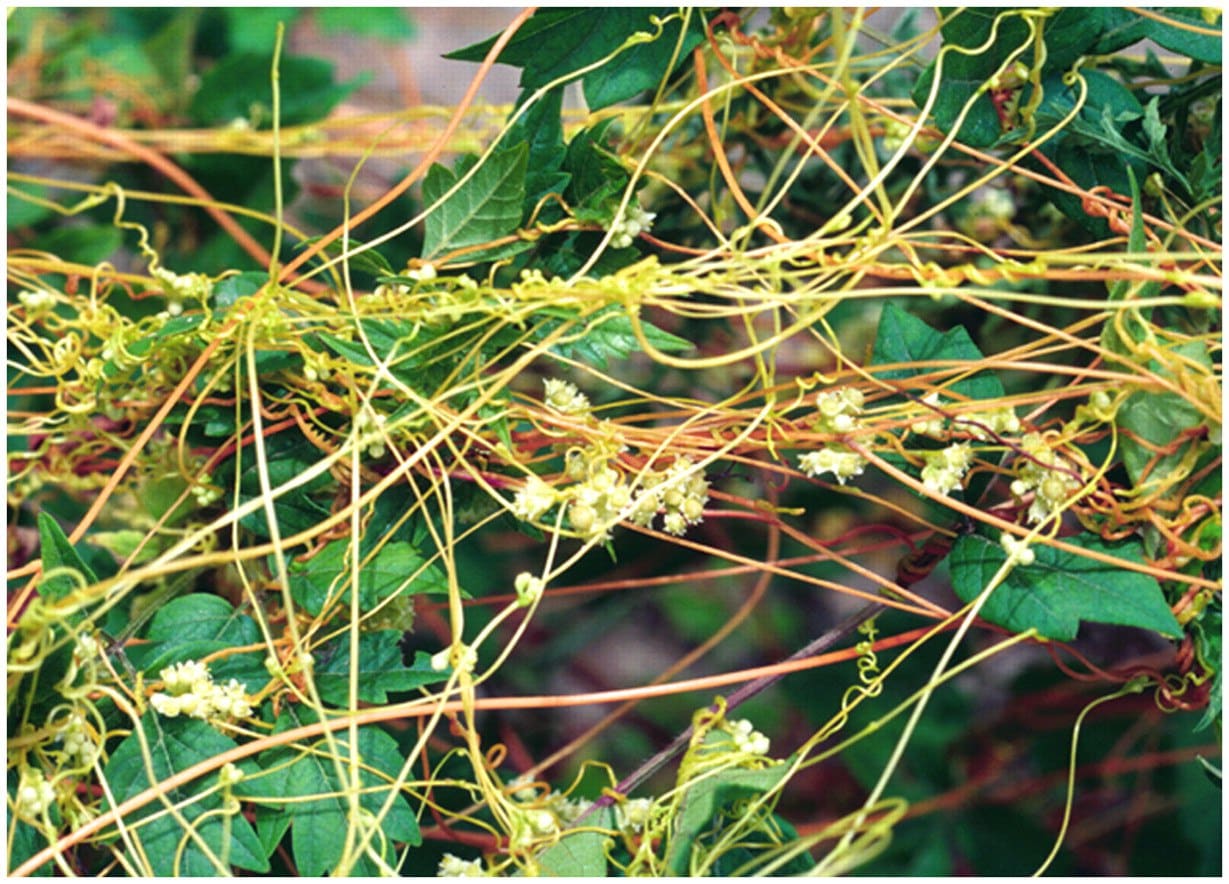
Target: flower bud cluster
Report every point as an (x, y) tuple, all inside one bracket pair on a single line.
[(980, 425), (681, 492), (36, 301), (370, 426), (455, 867), (563, 397), (838, 410), (35, 794), (598, 501), (746, 737), (179, 288), (1040, 473), (1018, 551), (79, 744), (630, 224), (191, 690), (944, 470), (839, 460), (633, 815), (529, 588)]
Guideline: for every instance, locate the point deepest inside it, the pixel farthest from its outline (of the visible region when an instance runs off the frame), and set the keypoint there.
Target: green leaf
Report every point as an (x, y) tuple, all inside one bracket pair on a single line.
[(541, 127), (253, 29), (397, 567), (598, 177), (708, 798), (1060, 589), (196, 625), (229, 290), (381, 669), (580, 853), (241, 82), (1200, 47), (903, 338), (288, 455), (171, 849), (303, 783), (1154, 420), (486, 207), (88, 244), (608, 334), (963, 76), (386, 22), (558, 42), (58, 553)]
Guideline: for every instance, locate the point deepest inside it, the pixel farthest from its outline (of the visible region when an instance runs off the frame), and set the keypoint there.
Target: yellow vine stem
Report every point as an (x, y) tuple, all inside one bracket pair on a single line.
[(1132, 687)]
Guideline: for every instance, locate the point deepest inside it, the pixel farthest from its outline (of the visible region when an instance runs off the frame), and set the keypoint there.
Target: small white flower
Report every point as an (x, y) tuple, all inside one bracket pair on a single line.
[(1018, 551), (563, 397), (842, 463), (533, 500), (529, 588), (633, 815), (455, 867)]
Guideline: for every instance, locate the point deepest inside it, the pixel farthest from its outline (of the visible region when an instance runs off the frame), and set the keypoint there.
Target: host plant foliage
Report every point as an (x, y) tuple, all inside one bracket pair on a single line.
[(734, 315)]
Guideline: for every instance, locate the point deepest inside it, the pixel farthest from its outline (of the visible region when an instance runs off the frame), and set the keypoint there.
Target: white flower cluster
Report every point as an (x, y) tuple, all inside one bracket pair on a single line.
[(839, 410), (36, 301), (563, 397), (1039, 473), (204, 493), (455, 867), (746, 737), (370, 425), (838, 413), (629, 225), (980, 425), (533, 499), (633, 815), (191, 690), (944, 470), (1018, 551), (682, 492), (179, 288), (529, 588), (598, 501), (839, 460), (79, 744), (35, 794)]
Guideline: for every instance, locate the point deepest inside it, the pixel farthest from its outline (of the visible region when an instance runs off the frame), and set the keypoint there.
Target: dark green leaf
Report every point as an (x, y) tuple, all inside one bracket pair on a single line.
[(1184, 41), (557, 42), (709, 797), (486, 207), (89, 244), (327, 576), (541, 127), (239, 83), (305, 786), (386, 22), (196, 625), (381, 669), (1061, 589), (253, 29), (580, 853), (598, 177), (58, 553), (903, 338), (609, 334), (175, 745), (229, 290)]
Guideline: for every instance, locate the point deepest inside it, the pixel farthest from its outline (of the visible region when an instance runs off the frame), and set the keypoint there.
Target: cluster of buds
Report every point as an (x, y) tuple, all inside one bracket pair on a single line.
[(632, 222), (680, 493), (1040, 473), (563, 397), (36, 301), (190, 690), (597, 501), (838, 413), (981, 425), (1018, 551), (79, 744), (944, 470), (180, 288), (455, 867), (633, 815), (746, 737), (839, 460), (35, 794), (369, 424)]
